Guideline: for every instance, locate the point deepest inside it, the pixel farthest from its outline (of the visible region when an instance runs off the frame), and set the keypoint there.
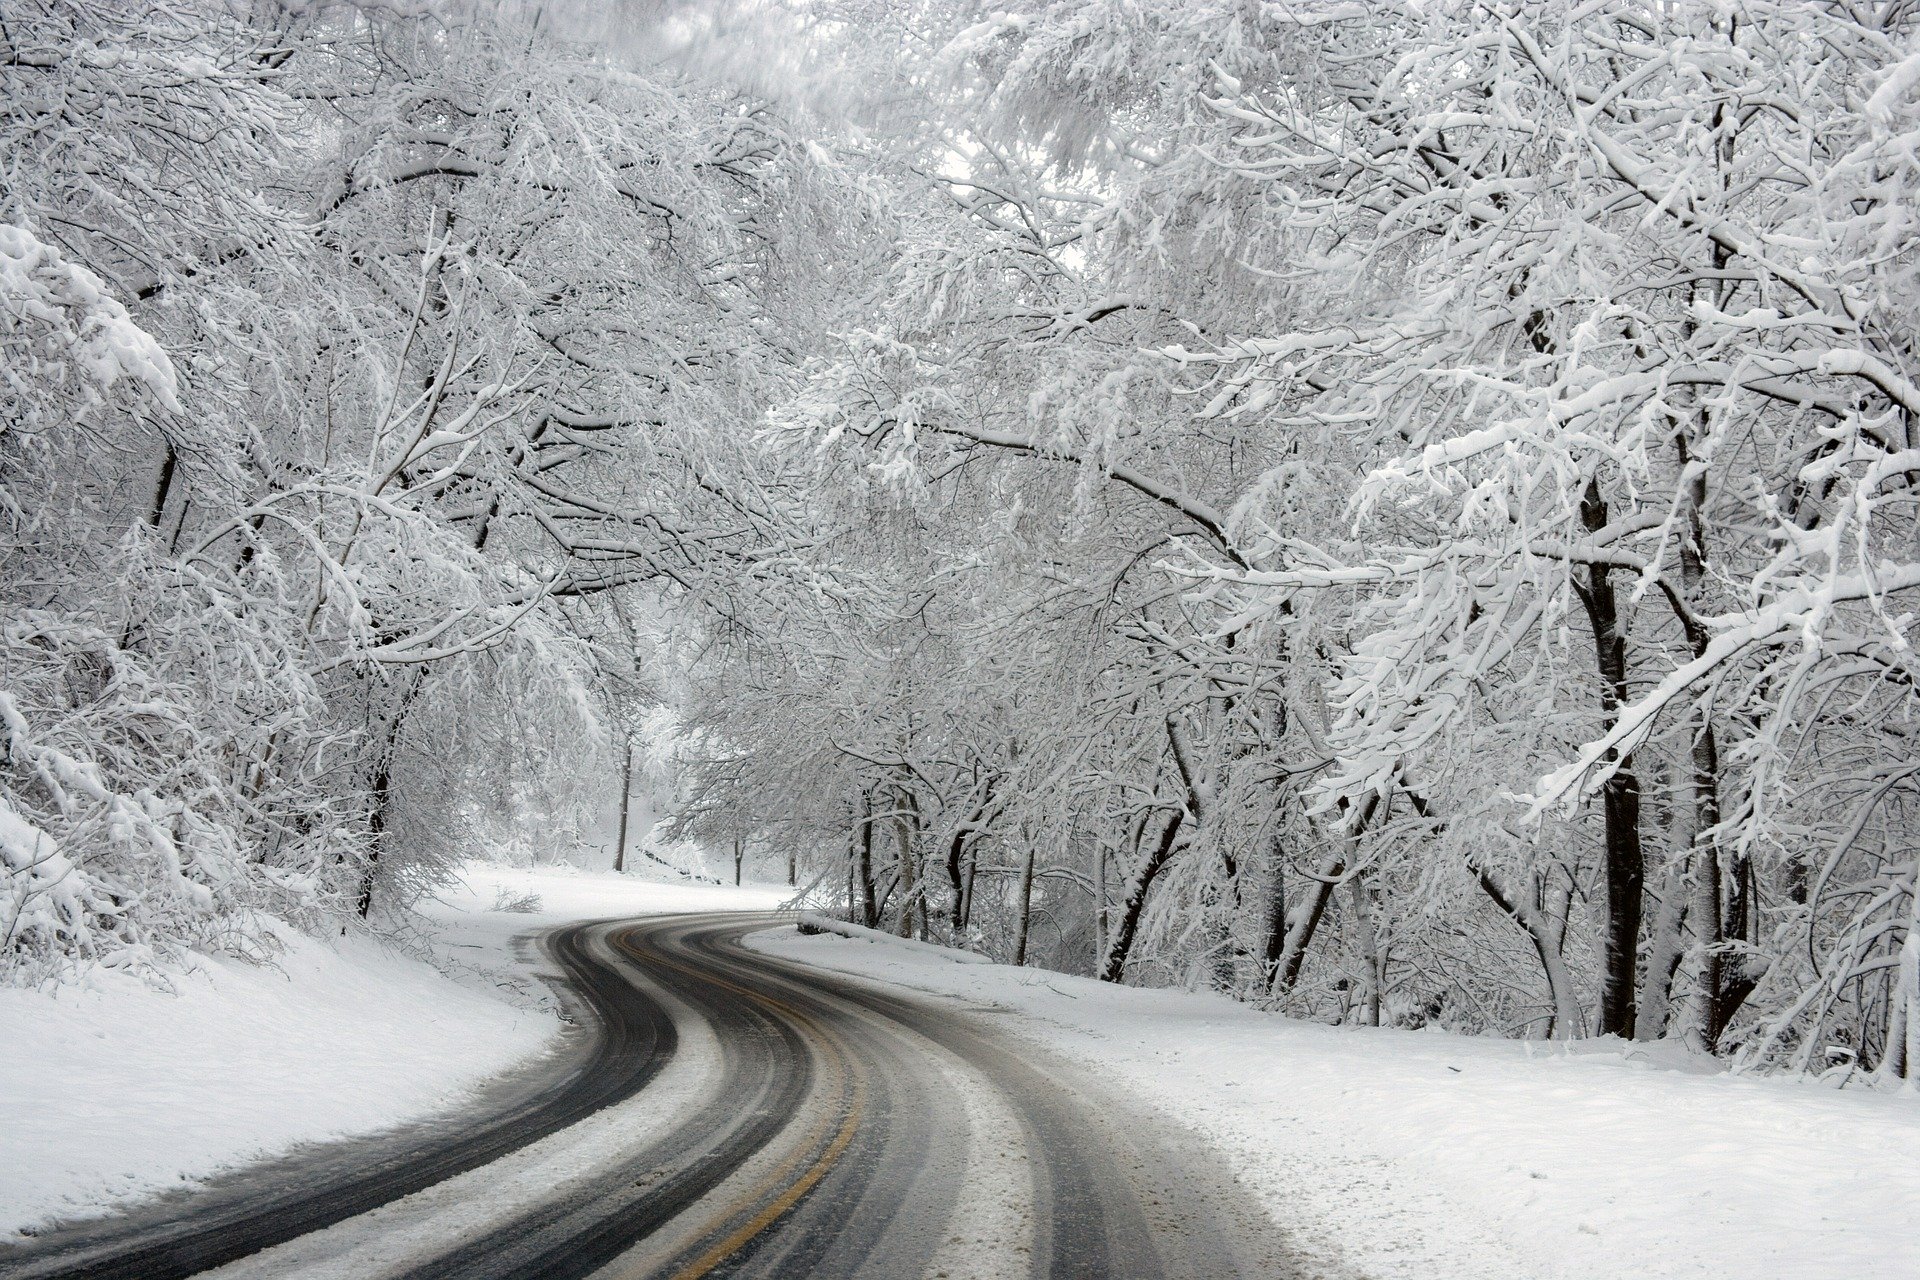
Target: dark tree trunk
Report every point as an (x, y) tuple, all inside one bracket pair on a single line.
[(1115, 966), (955, 885), (1099, 904), (959, 863), (1625, 870), (1273, 924), (1026, 906), (1567, 1021), (377, 828), (626, 795), (1721, 910), (966, 892), (163, 487), (1301, 928), (913, 900), (1300, 937), (381, 790), (870, 910)]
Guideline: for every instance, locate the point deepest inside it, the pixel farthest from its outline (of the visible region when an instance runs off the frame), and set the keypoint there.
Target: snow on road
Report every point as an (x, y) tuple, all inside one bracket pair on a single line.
[(1428, 1156), (115, 1090)]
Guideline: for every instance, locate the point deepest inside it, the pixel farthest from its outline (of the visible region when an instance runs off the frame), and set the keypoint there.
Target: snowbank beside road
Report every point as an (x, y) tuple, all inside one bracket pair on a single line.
[(1427, 1156), (567, 894), (115, 1091)]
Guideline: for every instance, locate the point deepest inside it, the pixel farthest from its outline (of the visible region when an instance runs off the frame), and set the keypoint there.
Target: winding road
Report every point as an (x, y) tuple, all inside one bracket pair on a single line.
[(724, 1113)]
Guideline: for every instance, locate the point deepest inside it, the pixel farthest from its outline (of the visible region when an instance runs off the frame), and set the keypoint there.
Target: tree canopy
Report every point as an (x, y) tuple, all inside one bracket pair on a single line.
[(1399, 512)]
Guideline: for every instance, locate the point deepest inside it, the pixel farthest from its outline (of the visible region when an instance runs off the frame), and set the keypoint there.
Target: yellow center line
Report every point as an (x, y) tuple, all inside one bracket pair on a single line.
[(841, 1066), (726, 1248)]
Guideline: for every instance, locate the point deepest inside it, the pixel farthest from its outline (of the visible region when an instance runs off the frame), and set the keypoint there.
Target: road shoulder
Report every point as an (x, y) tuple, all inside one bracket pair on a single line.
[(1422, 1154)]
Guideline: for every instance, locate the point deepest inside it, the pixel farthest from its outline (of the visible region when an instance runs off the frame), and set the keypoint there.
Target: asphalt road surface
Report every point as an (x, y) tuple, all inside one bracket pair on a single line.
[(724, 1113)]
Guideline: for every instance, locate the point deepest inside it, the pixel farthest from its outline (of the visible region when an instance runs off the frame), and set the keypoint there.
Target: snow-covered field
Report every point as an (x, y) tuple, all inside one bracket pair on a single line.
[(116, 1090), (1427, 1156)]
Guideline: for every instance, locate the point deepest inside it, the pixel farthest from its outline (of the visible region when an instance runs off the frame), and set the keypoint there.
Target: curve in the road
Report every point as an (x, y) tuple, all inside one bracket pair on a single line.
[(851, 1132), (629, 1039)]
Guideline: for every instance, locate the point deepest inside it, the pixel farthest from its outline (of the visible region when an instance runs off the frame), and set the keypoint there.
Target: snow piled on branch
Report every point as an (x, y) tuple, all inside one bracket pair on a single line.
[(123, 835), (76, 318), (120, 833)]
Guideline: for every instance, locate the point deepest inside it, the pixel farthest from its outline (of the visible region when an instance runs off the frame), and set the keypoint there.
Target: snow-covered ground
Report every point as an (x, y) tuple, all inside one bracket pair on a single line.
[(1389, 1154), (114, 1091), (1429, 1156)]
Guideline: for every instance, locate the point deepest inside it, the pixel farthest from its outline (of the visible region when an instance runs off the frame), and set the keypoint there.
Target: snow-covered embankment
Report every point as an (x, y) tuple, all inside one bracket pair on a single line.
[(114, 1090)]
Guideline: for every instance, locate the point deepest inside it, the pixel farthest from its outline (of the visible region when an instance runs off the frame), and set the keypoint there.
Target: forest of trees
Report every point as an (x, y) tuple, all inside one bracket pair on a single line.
[(1391, 511)]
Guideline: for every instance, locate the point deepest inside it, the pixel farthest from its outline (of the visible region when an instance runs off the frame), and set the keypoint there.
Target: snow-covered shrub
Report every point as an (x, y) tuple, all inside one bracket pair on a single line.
[(506, 900), (163, 774)]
